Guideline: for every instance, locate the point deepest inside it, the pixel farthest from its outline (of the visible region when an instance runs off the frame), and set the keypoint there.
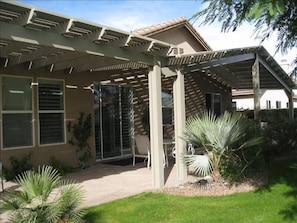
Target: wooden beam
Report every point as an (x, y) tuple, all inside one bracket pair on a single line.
[(21, 34), (217, 62)]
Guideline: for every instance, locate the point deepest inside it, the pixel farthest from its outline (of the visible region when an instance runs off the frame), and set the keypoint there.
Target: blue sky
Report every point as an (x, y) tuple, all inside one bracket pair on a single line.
[(132, 14)]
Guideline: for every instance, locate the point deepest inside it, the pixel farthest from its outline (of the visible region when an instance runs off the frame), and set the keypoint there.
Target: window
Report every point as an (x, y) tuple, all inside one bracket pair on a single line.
[(167, 107), (278, 104), (213, 103), (17, 112), (51, 111)]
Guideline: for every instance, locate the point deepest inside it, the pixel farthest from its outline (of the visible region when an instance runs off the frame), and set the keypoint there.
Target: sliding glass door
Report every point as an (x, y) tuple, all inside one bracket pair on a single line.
[(113, 112)]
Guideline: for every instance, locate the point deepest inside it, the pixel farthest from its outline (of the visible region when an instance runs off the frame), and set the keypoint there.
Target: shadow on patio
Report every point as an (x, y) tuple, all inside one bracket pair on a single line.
[(105, 182)]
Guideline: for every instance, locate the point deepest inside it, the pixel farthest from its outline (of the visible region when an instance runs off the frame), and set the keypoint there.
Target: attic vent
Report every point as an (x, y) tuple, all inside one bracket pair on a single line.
[(178, 51)]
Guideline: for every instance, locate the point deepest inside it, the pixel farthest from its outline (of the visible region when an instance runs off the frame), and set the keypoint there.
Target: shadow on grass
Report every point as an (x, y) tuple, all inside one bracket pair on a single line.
[(284, 172), (92, 216)]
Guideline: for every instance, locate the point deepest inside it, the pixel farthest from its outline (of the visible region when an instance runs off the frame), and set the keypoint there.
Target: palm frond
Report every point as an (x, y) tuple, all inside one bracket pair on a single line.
[(200, 164)]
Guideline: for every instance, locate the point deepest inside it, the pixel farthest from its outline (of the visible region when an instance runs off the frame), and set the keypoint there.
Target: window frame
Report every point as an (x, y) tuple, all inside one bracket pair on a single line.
[(51, 112), (18, 112)]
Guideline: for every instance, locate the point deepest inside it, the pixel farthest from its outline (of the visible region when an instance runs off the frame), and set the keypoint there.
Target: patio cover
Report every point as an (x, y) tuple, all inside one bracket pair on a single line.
[(40, 39)]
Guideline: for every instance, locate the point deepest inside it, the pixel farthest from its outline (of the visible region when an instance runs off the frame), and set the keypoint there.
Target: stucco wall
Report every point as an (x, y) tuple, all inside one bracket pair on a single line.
[(182, 38)]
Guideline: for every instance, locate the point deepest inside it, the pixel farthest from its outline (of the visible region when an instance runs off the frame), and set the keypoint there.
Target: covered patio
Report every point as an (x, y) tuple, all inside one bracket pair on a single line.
[(39, 42)]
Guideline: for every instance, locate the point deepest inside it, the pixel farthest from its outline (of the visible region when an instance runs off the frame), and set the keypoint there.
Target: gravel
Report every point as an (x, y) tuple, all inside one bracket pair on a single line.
[(202, 187)]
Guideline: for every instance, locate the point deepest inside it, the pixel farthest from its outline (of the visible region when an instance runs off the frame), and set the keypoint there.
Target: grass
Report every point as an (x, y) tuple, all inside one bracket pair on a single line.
[(273, 203)]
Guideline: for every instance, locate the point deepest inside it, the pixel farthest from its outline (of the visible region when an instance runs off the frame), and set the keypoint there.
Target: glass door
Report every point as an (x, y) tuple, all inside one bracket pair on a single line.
[(113, 120)]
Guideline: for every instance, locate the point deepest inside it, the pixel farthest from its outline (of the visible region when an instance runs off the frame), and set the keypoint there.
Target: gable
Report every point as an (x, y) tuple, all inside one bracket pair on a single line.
[(178, 32), (182, 38)]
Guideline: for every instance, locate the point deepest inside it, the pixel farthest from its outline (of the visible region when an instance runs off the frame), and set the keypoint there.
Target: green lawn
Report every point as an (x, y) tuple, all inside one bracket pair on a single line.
[(276, 202)]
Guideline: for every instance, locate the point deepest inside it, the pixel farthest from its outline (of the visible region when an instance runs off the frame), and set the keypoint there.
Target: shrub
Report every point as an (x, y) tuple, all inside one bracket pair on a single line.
[(56, 164), (43, 197), (18, 166)]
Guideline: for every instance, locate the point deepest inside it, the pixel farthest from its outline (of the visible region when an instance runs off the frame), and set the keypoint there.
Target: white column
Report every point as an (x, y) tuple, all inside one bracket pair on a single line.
[(256, 87), (156, 131), (179, 124)]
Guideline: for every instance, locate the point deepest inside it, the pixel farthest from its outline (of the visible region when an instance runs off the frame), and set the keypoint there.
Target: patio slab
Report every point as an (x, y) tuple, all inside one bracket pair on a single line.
[(103, 183)]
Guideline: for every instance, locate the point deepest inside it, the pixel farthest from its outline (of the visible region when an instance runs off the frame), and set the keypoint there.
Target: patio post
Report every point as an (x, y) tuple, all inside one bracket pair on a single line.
[(256, 87), (156, 131), (291, 103), (179, 124)]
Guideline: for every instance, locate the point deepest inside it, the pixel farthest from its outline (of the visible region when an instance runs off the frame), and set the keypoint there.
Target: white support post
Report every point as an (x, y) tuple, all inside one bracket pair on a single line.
[(156, 131), (256, 87), (179, 124)]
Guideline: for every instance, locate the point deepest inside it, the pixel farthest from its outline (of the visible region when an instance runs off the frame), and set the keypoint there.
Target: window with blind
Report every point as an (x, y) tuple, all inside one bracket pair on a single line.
[(16, 112), (51, 111)]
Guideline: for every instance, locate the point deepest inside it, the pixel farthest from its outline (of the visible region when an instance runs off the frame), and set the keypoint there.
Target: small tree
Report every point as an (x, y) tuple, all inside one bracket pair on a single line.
[(221, 137), (81, 132), (43, 197)]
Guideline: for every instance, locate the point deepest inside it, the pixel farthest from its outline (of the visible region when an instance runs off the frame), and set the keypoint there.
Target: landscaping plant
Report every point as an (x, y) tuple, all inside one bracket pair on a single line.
[(17, 166), (43, 196), (81, 132), (220, 137)]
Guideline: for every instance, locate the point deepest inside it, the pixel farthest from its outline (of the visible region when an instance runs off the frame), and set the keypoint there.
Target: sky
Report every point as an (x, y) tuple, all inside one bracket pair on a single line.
[(129, 15)]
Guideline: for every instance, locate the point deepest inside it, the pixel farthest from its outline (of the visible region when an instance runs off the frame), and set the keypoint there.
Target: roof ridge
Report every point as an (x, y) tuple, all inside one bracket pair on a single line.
[(159, 27), (149, 30)]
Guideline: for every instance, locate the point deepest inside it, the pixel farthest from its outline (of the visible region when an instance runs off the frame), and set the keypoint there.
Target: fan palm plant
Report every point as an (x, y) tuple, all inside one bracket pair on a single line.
[(43, 196), (220, 137)]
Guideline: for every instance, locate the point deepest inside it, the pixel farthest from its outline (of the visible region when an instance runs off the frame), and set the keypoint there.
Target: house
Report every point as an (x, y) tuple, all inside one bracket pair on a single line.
[(54, 67), (269, 99)]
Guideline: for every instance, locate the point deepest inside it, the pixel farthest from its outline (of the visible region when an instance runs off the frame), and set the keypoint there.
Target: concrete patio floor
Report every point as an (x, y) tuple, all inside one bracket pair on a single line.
[(105, 182)]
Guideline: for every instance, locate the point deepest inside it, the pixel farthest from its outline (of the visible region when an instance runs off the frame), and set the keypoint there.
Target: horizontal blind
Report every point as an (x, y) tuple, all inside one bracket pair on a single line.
[(51, 111)]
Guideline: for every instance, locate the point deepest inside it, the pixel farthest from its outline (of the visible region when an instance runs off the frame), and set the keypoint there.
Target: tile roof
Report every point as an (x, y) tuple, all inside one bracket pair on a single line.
[(161, 27), (155, 28)]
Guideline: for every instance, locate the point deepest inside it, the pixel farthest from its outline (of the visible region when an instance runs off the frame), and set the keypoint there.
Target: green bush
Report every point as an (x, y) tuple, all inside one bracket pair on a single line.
[(18, 166), (81, 132), (279, 135), (61, 168)]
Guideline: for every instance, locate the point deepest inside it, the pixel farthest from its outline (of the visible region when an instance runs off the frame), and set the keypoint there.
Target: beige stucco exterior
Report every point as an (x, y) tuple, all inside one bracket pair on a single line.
[(81, 100)]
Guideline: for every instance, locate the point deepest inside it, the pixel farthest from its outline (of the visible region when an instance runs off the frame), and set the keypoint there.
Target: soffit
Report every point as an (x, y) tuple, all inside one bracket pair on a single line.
[(42, 38)]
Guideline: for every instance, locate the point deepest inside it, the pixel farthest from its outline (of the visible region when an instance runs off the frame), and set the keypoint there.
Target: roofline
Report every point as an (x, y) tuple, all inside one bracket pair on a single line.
[(178, 22)]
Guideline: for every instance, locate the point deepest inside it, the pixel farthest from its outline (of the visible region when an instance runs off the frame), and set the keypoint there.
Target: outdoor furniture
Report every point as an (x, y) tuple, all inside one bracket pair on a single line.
[(142, 149), (167, 143)]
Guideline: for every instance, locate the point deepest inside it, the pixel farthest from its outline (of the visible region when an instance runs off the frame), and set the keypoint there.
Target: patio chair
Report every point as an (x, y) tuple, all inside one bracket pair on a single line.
[(142, 149)]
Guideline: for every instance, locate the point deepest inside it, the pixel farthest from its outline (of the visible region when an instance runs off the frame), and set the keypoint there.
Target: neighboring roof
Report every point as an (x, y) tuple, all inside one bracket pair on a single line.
[(170, 24)]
